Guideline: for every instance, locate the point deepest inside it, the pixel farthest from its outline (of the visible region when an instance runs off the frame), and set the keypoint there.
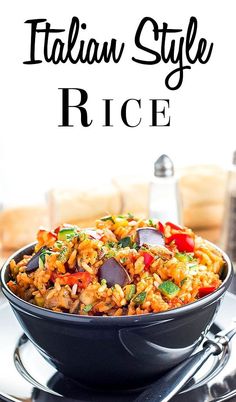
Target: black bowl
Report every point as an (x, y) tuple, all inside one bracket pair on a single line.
[(122, 352)]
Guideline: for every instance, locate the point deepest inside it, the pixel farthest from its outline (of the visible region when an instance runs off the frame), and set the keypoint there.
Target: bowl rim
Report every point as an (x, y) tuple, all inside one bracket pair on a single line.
[(29, 308)]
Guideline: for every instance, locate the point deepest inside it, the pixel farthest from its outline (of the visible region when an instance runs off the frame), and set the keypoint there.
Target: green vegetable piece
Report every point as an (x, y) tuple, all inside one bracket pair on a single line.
[(183, 281), (139, 299), (123, 260), (150, 222), (129, 291), (107, 218), (58, 244), (87, 308), (191, 266), (110, 254), (125, 242), (41, 262), (82, 236), (103, 282), (183, 257), (130, 216), (67, 234), (43, 255), (64, 255), (169, 289), (135, 246), (111, 244)]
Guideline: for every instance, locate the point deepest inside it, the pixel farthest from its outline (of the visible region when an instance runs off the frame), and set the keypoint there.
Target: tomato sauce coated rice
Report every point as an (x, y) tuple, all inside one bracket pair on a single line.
[(114, 269)]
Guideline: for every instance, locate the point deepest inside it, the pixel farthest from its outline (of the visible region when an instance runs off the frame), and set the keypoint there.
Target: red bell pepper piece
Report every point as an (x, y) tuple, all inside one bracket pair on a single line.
[(46, 237), (161, 227), (206, 291), (183, 241), (82, 279), (57, 230), (173, 226), (133, 257), (65, 225), (148, 259)]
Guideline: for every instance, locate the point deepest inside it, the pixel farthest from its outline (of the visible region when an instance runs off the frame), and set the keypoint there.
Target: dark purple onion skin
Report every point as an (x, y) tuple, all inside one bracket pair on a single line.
[(33, 263), (114, 273), (149, 236)]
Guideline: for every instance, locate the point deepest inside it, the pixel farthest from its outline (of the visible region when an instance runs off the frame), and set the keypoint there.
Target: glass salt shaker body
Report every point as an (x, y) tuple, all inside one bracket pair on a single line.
[(164, 195)]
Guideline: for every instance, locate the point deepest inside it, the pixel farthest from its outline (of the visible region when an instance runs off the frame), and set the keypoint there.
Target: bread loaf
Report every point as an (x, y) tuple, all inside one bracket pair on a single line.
[(203, 185), (134, 195), (203, 194), (18, 226), (83, 205)]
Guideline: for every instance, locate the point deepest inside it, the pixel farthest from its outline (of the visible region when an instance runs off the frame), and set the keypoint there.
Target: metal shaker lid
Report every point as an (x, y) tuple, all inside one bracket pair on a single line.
[(163, 167)]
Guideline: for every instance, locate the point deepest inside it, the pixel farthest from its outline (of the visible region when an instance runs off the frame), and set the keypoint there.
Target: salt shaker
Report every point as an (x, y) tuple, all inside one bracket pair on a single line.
[(229, 228), (164, 195)]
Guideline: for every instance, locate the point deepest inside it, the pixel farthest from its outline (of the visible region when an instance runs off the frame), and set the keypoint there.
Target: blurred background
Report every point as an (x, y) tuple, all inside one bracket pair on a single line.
[(50, 174), (204, 193)]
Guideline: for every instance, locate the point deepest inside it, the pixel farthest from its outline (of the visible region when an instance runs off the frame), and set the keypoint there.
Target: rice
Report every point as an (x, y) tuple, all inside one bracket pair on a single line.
[(158, 277)]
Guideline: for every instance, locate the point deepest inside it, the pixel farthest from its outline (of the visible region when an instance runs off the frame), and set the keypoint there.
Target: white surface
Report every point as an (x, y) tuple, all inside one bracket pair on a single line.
[(10, 333), (32, 145)]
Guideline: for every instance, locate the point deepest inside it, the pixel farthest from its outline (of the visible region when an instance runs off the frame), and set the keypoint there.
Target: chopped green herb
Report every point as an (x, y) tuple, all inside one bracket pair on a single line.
[(139, 299), (150, 222), (183, 257), (41, 262), (82, 236), (169, 289), (58, 244), (183, 281), (121, 216), (123, 260), (44, 253), (63, 255), (135, 246), (107, 218), (67, 234), (129, 291), (103, 282), (110, 254), (125, 242), (191, 266), (70, 237), (130, 216), (111, 244), (87, 308)]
